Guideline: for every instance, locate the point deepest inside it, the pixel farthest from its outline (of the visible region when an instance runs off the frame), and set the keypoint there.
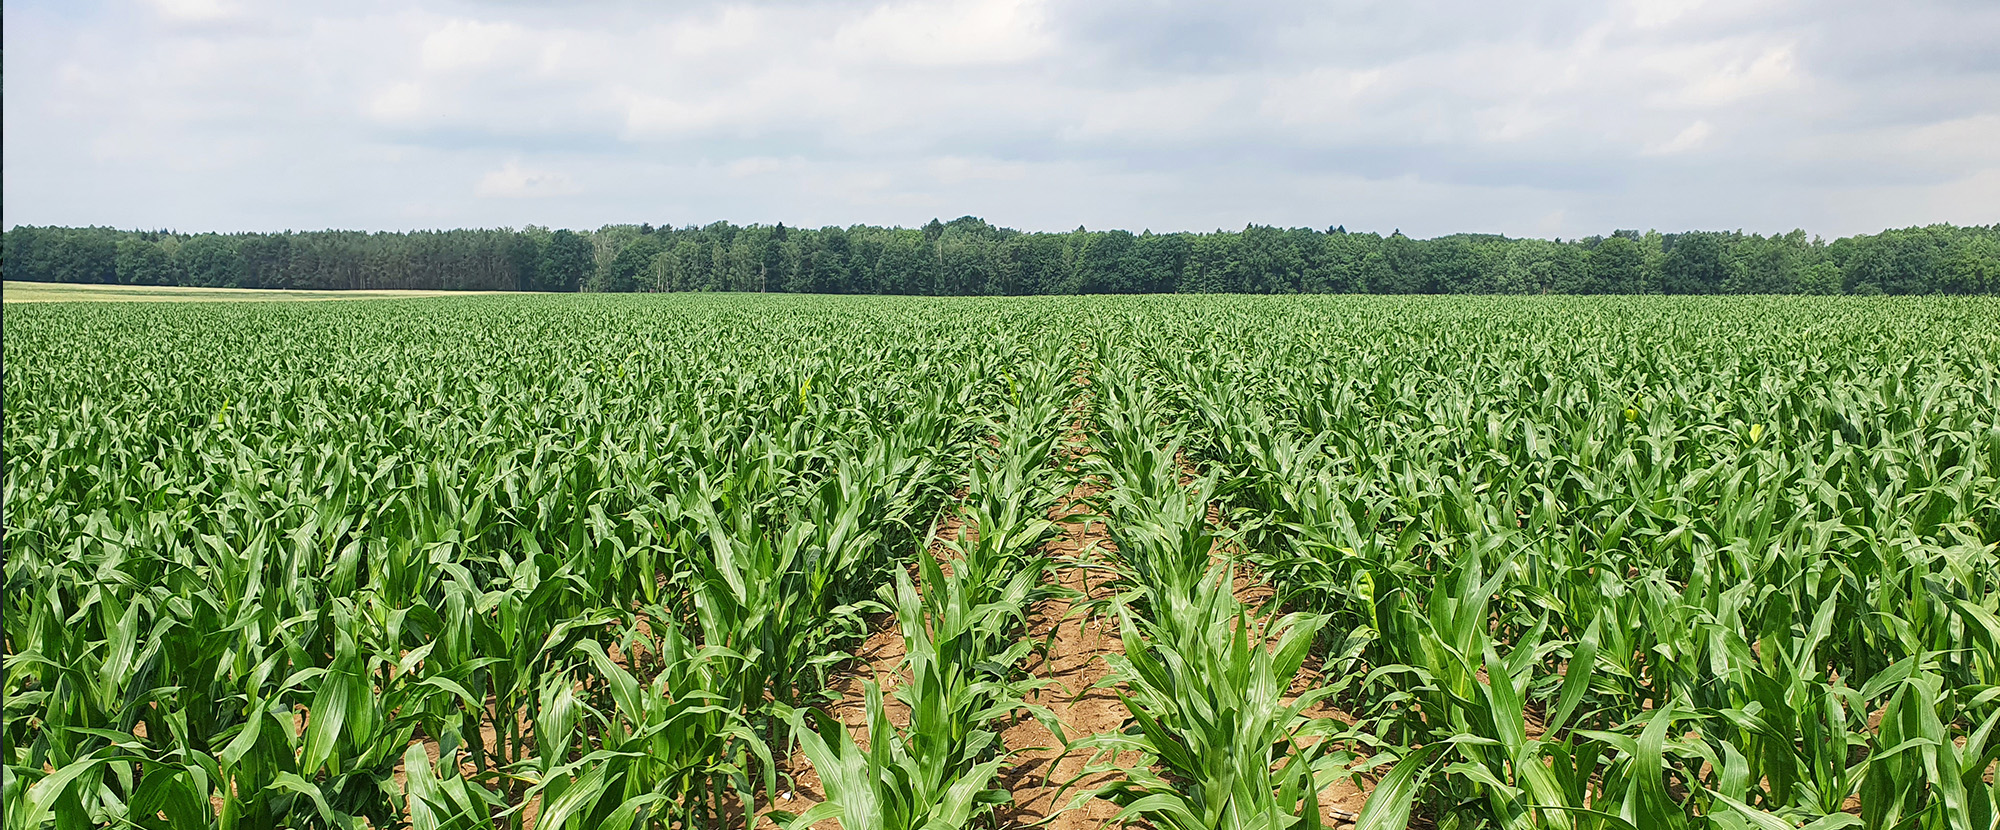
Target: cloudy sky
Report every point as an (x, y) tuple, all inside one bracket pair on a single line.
[(1432, 116)]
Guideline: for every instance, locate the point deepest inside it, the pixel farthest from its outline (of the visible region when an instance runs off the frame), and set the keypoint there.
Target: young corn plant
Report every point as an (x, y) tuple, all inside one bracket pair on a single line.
[(961, 638), (669, 753), (1208, 702)]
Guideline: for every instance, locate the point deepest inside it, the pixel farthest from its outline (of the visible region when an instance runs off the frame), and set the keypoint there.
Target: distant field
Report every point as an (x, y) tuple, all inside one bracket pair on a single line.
[(49, 292)]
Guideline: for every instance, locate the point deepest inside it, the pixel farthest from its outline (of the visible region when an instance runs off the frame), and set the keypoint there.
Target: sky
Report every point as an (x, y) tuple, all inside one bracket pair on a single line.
[(1534, 118)]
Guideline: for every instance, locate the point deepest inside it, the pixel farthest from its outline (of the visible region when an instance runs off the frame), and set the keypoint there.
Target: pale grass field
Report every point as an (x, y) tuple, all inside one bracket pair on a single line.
[(48, 292)]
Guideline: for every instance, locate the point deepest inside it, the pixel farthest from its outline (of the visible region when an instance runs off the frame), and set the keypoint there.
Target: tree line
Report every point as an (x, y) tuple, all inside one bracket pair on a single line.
[(968, 256)]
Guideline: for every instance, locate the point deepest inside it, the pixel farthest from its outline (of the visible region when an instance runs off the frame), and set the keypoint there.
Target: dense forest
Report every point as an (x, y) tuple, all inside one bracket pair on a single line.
[(968, 256)]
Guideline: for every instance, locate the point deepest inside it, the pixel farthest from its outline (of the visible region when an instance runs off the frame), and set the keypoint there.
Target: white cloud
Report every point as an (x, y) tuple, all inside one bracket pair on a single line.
[(1961, 139), (956, 169), (1319, 95), (402, 101), (1683, 141), (1153, 113), (195, 10), (964, 32), (466, 44), (513, 181), (760, 165), (732, 30), (655, 115), (1715, 74), (1699, 14)]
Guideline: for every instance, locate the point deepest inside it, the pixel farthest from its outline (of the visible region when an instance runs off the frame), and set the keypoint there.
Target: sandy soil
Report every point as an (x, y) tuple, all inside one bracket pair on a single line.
[(1074, 663)]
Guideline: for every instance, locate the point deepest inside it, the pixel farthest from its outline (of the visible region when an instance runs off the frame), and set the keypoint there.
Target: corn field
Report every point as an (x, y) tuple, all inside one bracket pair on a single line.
[(584, 562)]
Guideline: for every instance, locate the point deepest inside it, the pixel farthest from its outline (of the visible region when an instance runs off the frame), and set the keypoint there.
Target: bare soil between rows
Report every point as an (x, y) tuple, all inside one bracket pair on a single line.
[(1045, 777)]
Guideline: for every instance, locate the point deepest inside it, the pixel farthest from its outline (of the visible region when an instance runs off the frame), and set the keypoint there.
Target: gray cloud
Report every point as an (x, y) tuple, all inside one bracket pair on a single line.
[(1539, 118)]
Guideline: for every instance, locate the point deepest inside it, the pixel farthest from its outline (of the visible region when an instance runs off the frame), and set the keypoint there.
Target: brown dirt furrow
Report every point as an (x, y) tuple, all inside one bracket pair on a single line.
[(1340, 801), (1045, 778), (1074, 663)]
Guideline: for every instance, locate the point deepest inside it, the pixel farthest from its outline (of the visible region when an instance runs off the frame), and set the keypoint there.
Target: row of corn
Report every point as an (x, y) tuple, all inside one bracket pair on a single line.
[(1215, 738), (962, 618)]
